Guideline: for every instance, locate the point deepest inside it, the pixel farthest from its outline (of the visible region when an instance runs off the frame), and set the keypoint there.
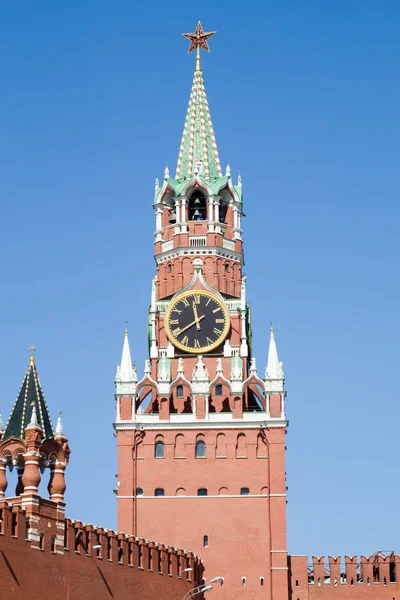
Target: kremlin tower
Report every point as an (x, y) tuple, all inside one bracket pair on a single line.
[(201, 434)]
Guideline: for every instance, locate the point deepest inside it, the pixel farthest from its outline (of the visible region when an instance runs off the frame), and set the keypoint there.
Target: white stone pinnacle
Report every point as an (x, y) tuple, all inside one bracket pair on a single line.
[(180, 370), (166, 172), (59, 427), (228, 170), (200, 372), (34, 422), (274, 367), (125, 371)]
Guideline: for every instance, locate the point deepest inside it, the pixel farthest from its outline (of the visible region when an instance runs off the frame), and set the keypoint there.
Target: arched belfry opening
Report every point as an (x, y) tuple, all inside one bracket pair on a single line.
[(197, 206)]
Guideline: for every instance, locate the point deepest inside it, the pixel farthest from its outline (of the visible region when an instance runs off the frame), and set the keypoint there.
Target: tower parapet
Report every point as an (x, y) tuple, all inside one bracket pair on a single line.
[(374, 577)]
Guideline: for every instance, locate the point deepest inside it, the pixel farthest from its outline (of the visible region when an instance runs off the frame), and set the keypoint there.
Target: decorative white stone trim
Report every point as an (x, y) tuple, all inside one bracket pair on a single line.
[(162, 257), (152, 422)]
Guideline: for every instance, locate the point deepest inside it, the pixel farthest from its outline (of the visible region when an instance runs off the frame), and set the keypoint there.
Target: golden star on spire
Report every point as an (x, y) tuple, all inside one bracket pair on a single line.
[(199, 38)]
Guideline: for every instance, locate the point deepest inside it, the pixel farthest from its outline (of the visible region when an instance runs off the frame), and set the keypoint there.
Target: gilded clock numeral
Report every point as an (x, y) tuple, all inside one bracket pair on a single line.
[(173, 322), (219, 320), (185, 341), (217, 309), (197, 298), (185, 301), (196, 343), (208, 301), (176, 310), (217, 331), (209, 341), (176, 331)]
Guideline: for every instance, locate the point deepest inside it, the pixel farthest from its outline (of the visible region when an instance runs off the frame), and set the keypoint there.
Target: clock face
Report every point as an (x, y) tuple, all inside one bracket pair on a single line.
[(197, 322)]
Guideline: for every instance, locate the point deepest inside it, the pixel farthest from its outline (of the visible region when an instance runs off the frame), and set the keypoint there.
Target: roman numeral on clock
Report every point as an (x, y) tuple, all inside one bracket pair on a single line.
[(217, 309), (185, 341), (196, 343), (217, 331), (220, 320), (176, 331), (173, 322), (185, 301), (197, 298)]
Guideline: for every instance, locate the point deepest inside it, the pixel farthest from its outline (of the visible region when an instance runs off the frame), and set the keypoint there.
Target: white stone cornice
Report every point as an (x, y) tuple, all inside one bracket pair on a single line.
[(219, 251), (211, 421)]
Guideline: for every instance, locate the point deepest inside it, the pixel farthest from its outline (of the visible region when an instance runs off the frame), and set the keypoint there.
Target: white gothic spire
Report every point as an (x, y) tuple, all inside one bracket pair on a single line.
[(126, 378), (126, 361), (59, 428), (274, 367)]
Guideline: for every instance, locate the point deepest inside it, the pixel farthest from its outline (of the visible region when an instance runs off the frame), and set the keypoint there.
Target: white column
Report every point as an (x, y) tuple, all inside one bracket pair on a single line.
[(235, 217), (236, 223), (282, 406), (177, 228), (210, 213), (178, 211), (183, 214), (216, 204), (159, 211)]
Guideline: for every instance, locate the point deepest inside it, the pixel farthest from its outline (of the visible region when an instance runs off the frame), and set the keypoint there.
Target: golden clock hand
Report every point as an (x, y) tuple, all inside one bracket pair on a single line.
[(192, 323), (196, 316)]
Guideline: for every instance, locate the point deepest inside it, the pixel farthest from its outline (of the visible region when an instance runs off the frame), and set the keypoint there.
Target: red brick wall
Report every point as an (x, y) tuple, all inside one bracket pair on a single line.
[(350, 578), (77, 572), (246, 534)]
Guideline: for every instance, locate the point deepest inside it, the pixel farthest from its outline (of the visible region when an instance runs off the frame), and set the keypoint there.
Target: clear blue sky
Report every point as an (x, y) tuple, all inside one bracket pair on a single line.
[(305, 103)]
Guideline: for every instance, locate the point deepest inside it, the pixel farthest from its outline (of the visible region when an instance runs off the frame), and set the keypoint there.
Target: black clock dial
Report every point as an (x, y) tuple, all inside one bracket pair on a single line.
[(197, 322)]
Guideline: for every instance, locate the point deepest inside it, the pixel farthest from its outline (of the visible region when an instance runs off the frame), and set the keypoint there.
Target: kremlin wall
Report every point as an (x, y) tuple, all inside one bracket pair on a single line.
[(201, 486)]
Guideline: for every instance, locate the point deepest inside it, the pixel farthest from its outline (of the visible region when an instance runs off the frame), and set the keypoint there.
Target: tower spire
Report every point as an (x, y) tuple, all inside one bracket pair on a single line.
[(274, 367), (30, 408), (198, 140), (126, 361)]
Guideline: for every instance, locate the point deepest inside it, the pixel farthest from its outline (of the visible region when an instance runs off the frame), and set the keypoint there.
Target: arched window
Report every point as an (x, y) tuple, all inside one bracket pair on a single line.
[(205, 541), (226, 268), (244, 491), (243, 581), (202, 492), (201, 449), (197, 206), (159, 449), (180, 450), (223, 207), (218, 389), (169, 268), (139, 491), (159, 492), (179, 391), (261, 580)]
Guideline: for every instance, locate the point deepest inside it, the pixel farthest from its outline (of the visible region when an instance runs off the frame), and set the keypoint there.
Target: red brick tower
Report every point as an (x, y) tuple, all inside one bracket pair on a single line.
[(201, 437), (29, 444)]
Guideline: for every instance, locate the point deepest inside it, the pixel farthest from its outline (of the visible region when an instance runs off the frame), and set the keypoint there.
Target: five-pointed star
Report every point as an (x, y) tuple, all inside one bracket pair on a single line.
[(199, 38)]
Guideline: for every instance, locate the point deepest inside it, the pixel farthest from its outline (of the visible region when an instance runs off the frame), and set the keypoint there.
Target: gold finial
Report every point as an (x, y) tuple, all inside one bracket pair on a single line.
[(198, 40), (31, 350), (126, 327), (271, 328)]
